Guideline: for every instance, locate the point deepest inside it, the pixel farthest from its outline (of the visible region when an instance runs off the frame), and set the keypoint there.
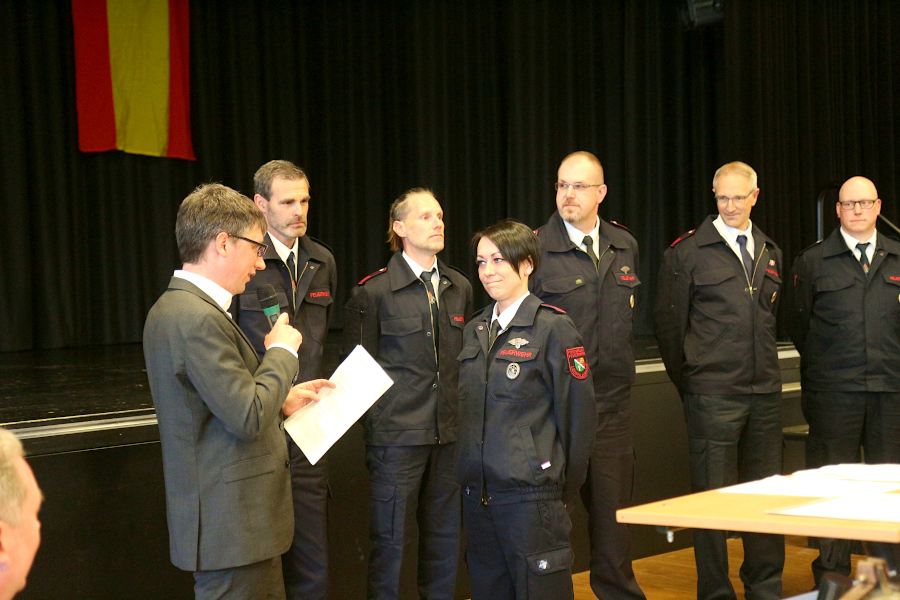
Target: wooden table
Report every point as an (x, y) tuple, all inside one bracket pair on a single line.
[(746, 512)]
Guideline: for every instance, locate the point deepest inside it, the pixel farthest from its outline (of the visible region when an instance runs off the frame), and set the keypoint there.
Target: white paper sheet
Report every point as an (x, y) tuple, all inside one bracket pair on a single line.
[(813, 487), (317, 426), (884, 508), (856, 472)]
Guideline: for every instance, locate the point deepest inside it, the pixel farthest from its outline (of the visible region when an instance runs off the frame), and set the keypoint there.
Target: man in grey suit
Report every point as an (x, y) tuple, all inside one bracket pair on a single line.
[(228, 497)]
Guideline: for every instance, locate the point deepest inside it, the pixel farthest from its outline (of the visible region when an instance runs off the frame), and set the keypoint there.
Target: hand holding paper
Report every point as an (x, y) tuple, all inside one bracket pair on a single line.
[(302, 394), (355, 386)]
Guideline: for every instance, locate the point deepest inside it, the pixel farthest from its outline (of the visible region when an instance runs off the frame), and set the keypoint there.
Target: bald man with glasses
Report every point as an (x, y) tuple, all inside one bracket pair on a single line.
[(589, 268), (846, 326), (715, 322)]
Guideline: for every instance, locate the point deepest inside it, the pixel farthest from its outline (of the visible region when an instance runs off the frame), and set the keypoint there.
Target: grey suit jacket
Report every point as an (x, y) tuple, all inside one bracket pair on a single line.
[(228, 497)]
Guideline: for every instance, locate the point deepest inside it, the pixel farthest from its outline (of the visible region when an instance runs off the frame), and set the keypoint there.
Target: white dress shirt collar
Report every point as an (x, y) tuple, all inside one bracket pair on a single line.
[(417, 269), (852, 242), (220, 295), (577, 236), (731, 235), (507, 315), (283, 251)]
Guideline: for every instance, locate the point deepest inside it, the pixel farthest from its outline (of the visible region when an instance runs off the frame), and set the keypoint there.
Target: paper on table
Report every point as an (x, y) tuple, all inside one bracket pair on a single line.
[(317, 426), (815, 487), (856, 509), (858, 472)]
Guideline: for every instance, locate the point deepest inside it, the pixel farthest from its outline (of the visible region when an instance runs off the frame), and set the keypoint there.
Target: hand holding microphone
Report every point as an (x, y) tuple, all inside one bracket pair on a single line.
[(281, 332)]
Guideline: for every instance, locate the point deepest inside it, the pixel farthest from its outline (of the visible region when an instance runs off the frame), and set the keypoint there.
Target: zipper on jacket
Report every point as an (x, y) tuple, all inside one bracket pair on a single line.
[(487, 369), (296, 285), (750, 279)]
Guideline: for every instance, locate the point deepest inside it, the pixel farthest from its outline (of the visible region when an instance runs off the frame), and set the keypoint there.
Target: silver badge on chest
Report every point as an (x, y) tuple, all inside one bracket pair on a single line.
[(512, 371)]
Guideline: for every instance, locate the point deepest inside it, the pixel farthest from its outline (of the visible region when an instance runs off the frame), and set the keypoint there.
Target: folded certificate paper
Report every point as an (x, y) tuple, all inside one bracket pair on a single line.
[(317, 426)]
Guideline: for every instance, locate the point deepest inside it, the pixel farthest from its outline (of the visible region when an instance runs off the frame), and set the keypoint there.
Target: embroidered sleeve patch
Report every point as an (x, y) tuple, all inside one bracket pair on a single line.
[(577, 362)]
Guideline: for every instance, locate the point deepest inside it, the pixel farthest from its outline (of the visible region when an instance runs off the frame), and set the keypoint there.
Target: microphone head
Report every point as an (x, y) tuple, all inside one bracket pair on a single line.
[(267, 296)]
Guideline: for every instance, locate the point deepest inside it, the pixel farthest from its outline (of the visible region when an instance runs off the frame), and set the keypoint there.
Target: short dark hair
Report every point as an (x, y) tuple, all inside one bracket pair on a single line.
[(266, 174), (398, 212), (516, 242), (209, 210)]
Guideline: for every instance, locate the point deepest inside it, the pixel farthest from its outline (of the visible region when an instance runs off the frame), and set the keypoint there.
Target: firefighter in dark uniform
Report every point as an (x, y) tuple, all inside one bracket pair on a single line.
[(527, 421), (594, 281), (715, 322), (410, 318), (846, 327), (302, 271)]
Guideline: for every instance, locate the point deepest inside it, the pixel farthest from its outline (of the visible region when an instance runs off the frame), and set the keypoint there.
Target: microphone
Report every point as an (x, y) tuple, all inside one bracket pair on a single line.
[(269, 302)]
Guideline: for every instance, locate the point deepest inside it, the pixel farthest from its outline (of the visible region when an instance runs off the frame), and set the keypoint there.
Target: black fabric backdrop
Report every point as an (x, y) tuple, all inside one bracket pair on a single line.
[(478, 100)]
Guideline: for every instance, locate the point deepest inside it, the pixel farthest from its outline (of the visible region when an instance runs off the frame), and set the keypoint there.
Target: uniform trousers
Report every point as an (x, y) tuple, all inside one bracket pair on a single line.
[(733, 439), (413, 485), (305, 564), (609, 486), (839, 423), (257, 581), (519, 551)]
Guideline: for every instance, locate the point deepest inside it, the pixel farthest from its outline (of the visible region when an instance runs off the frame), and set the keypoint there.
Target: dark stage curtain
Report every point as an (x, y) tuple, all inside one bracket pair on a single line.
[(478, 100), (812, 93)]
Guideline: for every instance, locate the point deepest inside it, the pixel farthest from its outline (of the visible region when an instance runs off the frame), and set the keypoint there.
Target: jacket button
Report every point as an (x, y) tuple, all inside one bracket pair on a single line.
[(434, 386)]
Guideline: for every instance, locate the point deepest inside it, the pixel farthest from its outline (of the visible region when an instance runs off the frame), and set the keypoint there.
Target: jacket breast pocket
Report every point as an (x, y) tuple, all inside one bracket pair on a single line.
[(563, 285), (835, 299), (891, 303), (250, 301), (402, 339), (469, 352), (714, 290), (316, 304), (626, 284), (514, 373)]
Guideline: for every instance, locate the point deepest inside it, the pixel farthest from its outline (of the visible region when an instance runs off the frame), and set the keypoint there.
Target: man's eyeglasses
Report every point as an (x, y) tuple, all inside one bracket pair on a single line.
[(576, 187), (737, 200), (260, 248), (851, 204)]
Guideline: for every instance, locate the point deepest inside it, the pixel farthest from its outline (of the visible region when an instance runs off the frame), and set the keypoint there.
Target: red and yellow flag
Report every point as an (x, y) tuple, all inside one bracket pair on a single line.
[(132, 81)]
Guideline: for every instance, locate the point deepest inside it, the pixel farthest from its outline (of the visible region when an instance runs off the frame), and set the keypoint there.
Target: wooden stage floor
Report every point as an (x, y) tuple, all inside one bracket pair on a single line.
[(672, 576)]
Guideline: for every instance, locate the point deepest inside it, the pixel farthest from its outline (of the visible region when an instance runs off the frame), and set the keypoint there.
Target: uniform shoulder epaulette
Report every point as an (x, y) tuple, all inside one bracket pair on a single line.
[(683, 237), (321, 243), (555, 309), (371, 275), (620, 226)]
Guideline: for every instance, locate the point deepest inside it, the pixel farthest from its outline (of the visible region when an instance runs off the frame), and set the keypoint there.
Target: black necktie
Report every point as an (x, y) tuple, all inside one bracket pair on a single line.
[(589, 244), (292, 269), (425, 276), (863, 258), (495, 331), (745, 256)]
